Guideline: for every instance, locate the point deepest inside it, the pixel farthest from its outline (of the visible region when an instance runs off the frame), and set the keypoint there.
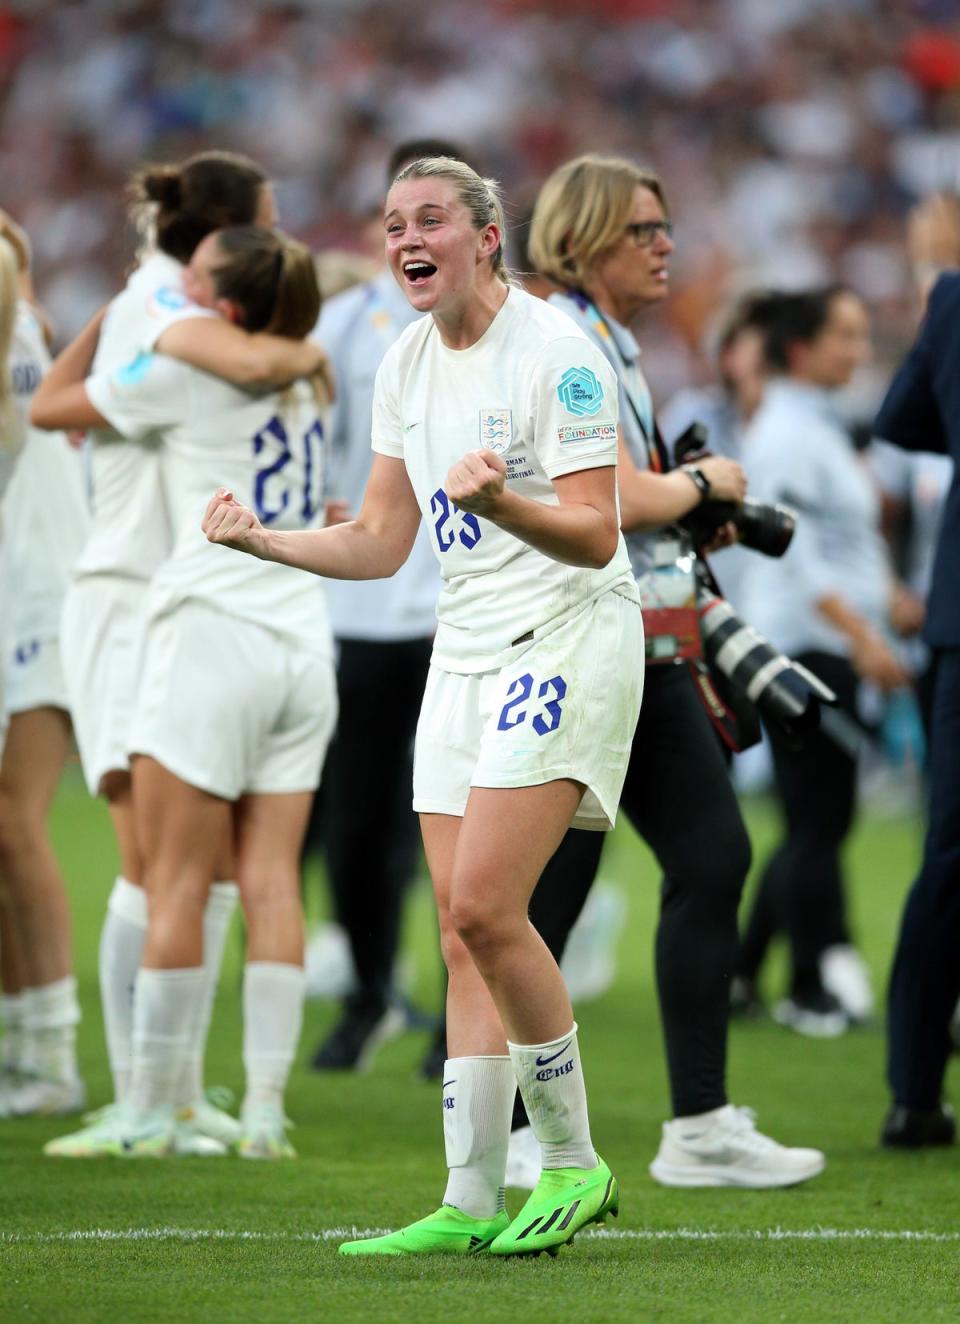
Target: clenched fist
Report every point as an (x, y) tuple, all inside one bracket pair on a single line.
[(477, 482), (228, 522)]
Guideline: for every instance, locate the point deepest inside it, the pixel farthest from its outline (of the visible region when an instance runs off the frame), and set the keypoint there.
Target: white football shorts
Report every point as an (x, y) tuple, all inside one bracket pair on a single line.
[(101, 643), (231, 707), (34, 676), (563, 706)]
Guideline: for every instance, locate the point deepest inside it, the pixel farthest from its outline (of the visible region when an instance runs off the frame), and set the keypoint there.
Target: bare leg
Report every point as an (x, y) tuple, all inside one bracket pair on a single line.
[(33, 757), (503, 980), (269, 836)]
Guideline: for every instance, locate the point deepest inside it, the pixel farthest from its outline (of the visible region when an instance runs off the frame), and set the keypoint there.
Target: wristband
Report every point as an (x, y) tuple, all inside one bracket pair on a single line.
[(699, 480)]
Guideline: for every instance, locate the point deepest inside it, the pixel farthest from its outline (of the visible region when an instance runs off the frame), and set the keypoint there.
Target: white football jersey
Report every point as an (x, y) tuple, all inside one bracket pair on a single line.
[(131, 533), (535, 390), (29, 360), (267, 449), (45, 509)]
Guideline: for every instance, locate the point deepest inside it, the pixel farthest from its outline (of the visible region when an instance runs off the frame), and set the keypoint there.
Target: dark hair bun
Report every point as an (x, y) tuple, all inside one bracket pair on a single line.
[(162, 184)]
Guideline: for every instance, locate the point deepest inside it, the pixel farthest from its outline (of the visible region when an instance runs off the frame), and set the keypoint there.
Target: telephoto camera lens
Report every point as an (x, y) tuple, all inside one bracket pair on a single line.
[(785, 698), (764, 527)]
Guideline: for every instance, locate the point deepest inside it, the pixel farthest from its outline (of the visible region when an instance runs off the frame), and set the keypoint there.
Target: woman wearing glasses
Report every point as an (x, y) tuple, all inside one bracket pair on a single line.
[(600, 230)]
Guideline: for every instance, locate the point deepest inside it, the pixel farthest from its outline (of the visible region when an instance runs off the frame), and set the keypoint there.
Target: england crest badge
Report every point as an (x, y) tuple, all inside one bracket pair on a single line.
[(496, 429)]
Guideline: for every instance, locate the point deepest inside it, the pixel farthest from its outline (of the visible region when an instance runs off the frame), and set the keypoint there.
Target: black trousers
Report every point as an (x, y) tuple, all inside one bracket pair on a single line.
[(369, 828), (679, 798), (801, 892), (925, 983)]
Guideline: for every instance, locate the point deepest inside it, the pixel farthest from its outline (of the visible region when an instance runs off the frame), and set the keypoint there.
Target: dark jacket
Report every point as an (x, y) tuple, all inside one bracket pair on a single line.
[(921, 412)]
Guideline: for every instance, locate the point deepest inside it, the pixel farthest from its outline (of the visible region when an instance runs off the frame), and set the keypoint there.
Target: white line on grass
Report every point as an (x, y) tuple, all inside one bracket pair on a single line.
[(607, 1234)]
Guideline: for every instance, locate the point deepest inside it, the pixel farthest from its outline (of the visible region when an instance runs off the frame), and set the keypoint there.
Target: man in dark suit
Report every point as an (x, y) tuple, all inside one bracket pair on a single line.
[(922, 412)]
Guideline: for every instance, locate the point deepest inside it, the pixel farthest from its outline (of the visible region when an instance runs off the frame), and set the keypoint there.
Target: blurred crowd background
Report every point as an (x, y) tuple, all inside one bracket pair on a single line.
[(791, 135)]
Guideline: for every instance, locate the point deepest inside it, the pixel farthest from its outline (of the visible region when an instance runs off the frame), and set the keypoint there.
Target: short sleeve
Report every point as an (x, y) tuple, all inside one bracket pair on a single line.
[(149, 392), (575, 405), (166, 306), (891, 468), (387, 431)]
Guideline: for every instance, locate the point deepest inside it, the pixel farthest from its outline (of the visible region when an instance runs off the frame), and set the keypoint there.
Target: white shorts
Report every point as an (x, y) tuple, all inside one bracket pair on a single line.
[(231, 707), (101, 642), (34, 677), (564, 706)]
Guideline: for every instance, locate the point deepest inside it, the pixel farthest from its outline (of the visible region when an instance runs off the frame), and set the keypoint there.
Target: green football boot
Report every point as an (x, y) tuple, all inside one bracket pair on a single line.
[(447, 1232), (563, 1201)]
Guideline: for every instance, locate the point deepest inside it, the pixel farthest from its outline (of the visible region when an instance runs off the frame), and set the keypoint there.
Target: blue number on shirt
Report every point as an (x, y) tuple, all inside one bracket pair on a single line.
[(312, 485), (559, 686), (440, 506), (468, 532), (518, 693), (271, 437), (271, 489)]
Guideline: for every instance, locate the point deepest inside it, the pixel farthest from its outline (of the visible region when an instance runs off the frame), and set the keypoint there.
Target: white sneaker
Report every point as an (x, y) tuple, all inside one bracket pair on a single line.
[(823, 1018), (844, 973), (728, 1150), (36, 1097), (265, 1133), (523, 1159), (203, 1118), (589, 962)]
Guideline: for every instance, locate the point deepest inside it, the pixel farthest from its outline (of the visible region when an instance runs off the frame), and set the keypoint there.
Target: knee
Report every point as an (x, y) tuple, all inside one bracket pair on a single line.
[(713, 878), (476, 922), (18, 829)]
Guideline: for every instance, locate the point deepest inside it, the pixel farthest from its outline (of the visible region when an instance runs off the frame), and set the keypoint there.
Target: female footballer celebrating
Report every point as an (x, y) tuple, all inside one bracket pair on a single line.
[(528, 713)]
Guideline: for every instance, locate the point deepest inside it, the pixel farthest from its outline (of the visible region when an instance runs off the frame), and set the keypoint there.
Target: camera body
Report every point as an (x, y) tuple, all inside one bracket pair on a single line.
[(762, 526)]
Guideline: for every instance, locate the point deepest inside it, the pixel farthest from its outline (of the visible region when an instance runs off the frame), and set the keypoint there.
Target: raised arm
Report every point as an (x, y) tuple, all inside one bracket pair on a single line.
[(372, 546), (257, 361), (582, 530), (649, 500), (61, 399)]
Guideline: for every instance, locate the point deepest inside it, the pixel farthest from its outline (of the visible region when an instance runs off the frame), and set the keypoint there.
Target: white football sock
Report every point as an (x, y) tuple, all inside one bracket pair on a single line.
[(51, 1015), (551, 1084), (165, 1002), (478, 1094), (11, 1017), (272, 1016), (122, 939), (221, 904)]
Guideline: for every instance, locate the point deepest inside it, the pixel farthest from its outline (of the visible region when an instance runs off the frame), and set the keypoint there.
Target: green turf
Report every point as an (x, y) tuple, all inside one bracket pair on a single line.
[(371, 1157)]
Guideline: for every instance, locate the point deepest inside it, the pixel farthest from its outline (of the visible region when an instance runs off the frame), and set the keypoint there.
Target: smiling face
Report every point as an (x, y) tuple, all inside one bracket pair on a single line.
[(433, 249), (633, 272)]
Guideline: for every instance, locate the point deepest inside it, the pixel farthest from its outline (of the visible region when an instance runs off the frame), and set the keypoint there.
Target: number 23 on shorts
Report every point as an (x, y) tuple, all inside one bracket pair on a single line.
[(546, 712)]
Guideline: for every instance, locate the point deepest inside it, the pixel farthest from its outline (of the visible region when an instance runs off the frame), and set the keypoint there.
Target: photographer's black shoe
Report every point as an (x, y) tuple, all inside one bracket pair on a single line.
[(918, 1128), (353, 1042)]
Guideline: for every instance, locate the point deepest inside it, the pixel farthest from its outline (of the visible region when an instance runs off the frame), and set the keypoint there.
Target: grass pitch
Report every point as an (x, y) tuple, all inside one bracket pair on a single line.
[(876, 1238)]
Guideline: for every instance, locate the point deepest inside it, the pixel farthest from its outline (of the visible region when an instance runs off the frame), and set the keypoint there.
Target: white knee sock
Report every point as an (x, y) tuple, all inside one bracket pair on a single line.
[(216, 924), (121, 951), (478, 1094), (51, 1015), (272, 1016), (551, 1083), (11, 1018), (165, 1002)]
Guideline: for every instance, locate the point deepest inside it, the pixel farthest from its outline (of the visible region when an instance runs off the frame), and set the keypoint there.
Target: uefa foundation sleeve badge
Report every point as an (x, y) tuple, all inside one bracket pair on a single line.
[(580, 392)]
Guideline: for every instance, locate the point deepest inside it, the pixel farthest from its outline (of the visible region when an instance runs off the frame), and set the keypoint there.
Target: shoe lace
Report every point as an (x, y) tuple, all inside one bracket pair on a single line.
[(220, 1096), (744, 1126)]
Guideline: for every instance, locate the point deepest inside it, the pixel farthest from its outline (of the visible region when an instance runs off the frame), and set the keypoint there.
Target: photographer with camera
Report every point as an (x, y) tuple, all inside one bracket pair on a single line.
[(600, 231), (827, 604)]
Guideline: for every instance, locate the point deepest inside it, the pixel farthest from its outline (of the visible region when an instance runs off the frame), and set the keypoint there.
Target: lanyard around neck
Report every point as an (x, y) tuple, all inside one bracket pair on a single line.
[(657, 457)]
